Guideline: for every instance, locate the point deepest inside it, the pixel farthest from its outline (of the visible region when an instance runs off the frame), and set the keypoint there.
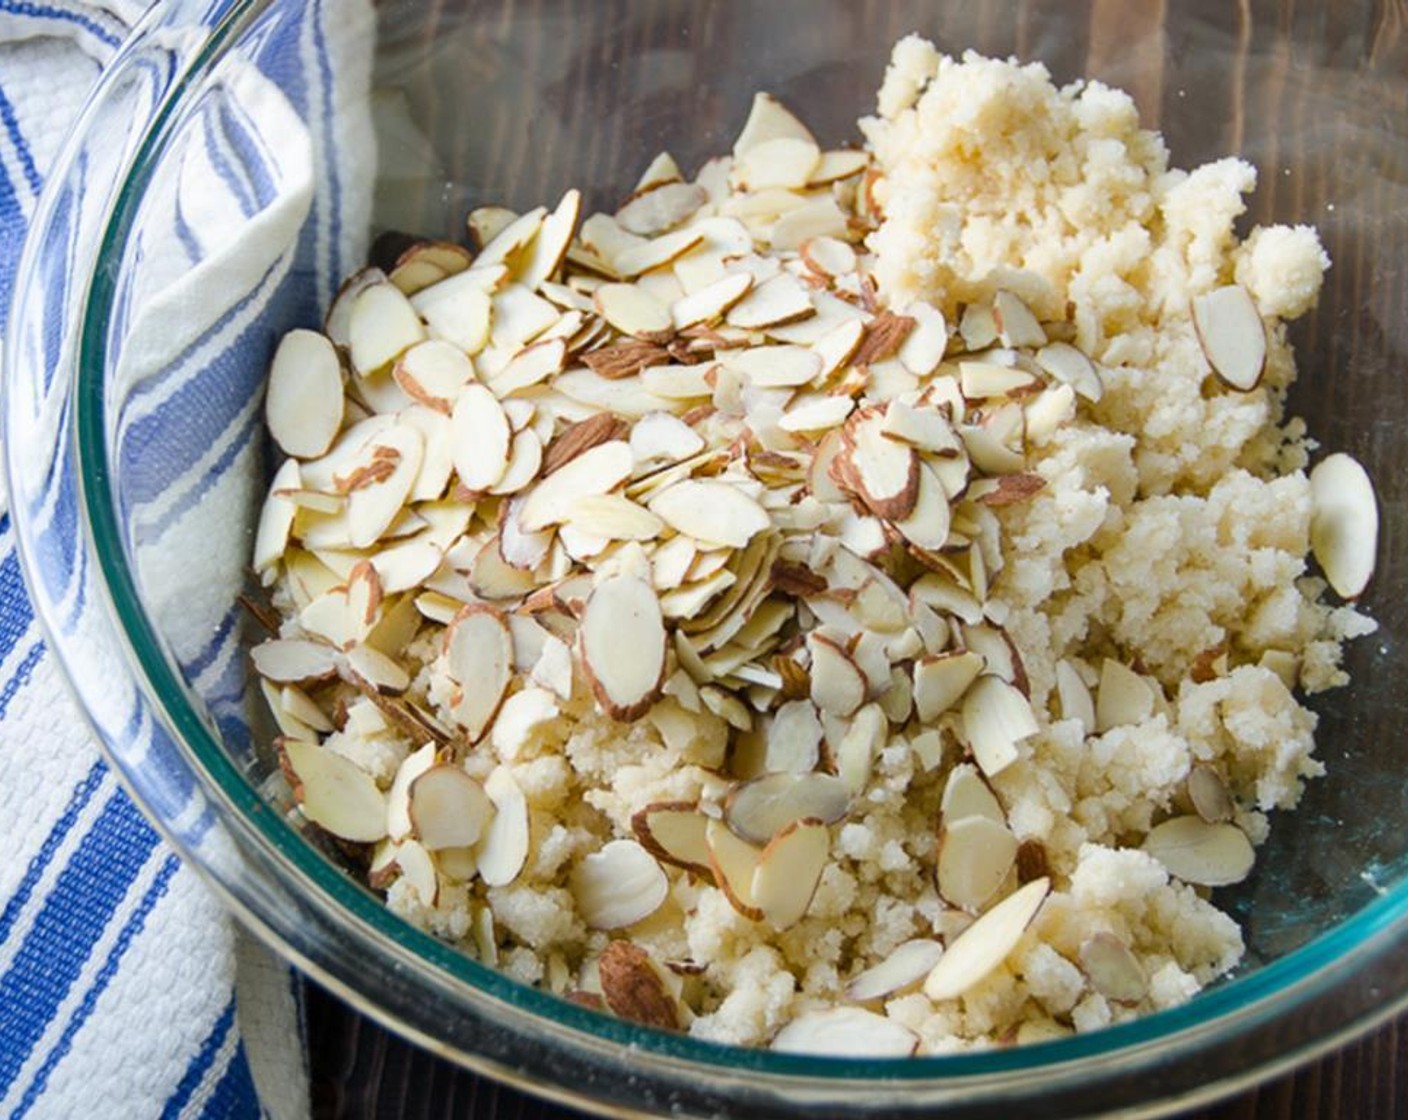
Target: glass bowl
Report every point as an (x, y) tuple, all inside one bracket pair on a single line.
[(241, 155)]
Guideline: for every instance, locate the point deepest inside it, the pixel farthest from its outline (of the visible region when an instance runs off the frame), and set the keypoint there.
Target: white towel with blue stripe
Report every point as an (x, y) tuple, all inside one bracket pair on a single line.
[(125, 991)]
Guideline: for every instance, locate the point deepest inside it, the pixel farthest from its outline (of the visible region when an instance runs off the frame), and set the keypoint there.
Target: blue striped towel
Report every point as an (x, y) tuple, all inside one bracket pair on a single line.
[(125, 991)]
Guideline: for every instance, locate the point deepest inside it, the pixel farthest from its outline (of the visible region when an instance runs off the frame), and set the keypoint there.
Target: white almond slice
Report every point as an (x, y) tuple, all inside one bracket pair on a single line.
[(690, 600), (512, 238), (923, 348), (481, 435), (816, 412), (303, 405), (661, 437), (733, 861), (530, 367), (503, 849), (774, 366), (335, 793), (294, 661), (674, 832), (398, 797), (1207, 855), (837, 685), (382, 326), (633, 311), (548, 249), (433, 373), (297, 703), (837, 165), (613, 517), (670, 564), (928, 524), (519, 316), (314, 500), (1049, 411), (1124, 697), (663, 169), (845, 1032), (479, 655), (828, 256), (990, 452), (1071, 367), (1344, 523), (710, 302), (921, 426), (885, 471), (554, 669), (1208, 793), (793, 740), (839, 345), (417, 868), (789, 871), (448, 808), (860, 744), (1114, 970), (822, 217), (906, 965), (975, 857), (661, 208), (493, 578), (486, 222), (712, 511), (626, 398), (525, 460), (520, 718), (768, 119), (459, 309), (771, 303), (982, 380), (759, 809), (381, 672), (276, 518), (1016, 325), (567, 298), (966, 795), (623, 645), (1074, 696), (603, 235), (1232, 335), (941, 681), (598, 470), (657, 252), (618, 886), (977, 327), (783, 161), (985, 944), (996, 717), (337, 322)]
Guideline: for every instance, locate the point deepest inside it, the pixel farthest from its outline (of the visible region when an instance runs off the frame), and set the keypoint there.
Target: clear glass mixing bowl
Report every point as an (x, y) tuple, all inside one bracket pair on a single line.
[(241, 154)]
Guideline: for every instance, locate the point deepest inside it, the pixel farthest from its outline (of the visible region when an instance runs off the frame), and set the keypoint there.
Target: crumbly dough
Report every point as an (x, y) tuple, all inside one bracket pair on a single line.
[(1174, 522)]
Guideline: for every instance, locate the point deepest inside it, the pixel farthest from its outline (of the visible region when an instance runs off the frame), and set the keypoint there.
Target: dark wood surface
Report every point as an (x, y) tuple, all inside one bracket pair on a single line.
[(362, 1072)]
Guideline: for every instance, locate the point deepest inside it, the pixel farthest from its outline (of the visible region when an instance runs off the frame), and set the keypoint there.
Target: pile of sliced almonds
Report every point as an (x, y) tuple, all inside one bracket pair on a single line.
[(679, 459)]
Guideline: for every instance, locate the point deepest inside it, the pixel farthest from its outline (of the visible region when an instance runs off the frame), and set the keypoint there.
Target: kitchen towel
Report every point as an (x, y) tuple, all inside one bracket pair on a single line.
[(125, 990)]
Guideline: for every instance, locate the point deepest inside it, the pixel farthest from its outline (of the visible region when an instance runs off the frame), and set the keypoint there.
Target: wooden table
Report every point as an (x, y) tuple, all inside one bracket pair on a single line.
[(361, 1071)]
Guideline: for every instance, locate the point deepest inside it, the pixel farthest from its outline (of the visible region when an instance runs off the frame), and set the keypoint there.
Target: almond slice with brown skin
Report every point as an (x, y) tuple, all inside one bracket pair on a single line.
[(433, 373), (789, 870), (884, 472), (658, 252), (710, 302), (733, 861), (337, 322), (618, 886), (372, 509), (503, 848), (773, 302), (383, 673), (1207, 855), (986, 943), (634, 311), (525, 461), (1344, 523), (622, 642), (711, 511), (975, 857), (382, 325), (837, 686), (335, 793), (294, 661), (484, 223), (674, 832), (448, 808), (598, 470), (303, 403), (759, 809), (660, 437), (548, 249), (481, 435), (906, 965), (633, 988), (966, 795), (529, 367), (1232, 335), (511, 239), (981, 380), (924, 346), (1114, 970), (1017, 326), (846, 1032), (479, 656), (398, 797), (941, 680), (996, 717), (927, 525)]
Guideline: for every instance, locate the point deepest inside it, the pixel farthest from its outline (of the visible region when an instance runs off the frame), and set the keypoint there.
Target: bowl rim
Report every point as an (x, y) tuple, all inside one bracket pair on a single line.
[(1238, 1002)]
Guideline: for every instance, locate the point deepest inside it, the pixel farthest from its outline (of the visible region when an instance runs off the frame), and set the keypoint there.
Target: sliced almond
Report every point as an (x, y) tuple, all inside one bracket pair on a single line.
[(996, 717), (614, 518), (1071, 367), (859, 745), (1208, 855), (816, 412), (837, 165), (986, 943), (398, 797), (966, 795), (884, 472), (828, 256), (481, 437), (940, 681), (661, 208), (382, 326), (623, 644), (618, 886), (335, 793), (711, 511), (433, 373), (782, 161), (634, 989), (294, 661), (906, 965), (980, 380), (1232, 335), (633, 311), (927, 525), (337, 322), (549, 248), (774, 366), (303, 404), (598, 470), (1124, 697), (448, 808), (759, 809), (923, 347), (373, 508), (511, 239), (1208, 793), (530, 367), (479, 655), (976, 855), (418, 870), (1344, 523), (486, 222), (771, 303), (1016, 325), (377, 670), (733, 862), (768, 119), (1114, 970), (503, 848), (789, 870), (837, 686), (674, 831), (459, 309), (520, 718), (977, 326), (657, 253), (276, 518), (711, 302), (793, 740), (1074, 696), (661, 437), (846, 1032)]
